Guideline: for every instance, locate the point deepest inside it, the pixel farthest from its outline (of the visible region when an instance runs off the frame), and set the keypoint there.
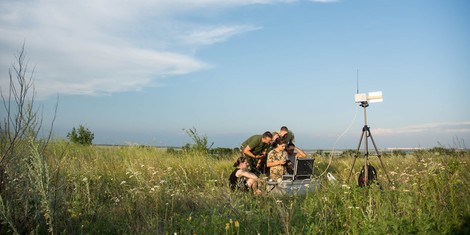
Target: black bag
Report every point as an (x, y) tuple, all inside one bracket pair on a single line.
[(371, 176)]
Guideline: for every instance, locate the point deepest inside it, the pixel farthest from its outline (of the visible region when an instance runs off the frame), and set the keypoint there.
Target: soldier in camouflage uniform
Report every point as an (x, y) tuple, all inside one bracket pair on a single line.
[(283, 134), (254, 149), (277, 160)]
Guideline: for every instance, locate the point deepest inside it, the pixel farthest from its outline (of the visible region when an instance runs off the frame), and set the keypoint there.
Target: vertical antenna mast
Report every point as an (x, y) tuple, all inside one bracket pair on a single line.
[(357, 81)]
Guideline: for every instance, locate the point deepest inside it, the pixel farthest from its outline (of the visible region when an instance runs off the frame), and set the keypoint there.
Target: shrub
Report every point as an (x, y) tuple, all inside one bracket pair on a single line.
[(200, 142), (443, 151), (223, 152), (81, 136), (398, 153), (25, 185)]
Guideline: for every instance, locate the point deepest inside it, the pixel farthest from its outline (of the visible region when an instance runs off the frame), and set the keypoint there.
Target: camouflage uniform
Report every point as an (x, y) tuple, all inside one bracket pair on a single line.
[(258, 147), (289, 138), (276, 172)]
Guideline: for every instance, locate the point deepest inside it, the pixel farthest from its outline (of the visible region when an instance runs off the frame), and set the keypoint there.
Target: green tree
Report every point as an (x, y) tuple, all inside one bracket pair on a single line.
[(82, 135)]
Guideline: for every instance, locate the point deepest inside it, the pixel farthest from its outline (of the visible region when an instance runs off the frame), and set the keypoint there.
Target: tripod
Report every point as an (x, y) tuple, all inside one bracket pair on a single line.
[(364, 136)]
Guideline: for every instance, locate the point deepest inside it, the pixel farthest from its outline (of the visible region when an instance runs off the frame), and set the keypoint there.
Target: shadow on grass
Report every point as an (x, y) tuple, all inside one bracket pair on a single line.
[(464, 227)]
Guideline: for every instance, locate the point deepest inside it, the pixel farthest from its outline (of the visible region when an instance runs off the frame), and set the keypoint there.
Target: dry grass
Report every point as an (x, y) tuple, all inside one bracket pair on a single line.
[(146, 190)]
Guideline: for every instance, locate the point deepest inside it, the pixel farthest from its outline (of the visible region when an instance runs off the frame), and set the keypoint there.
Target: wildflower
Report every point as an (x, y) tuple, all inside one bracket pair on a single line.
[(227, 226), (236, 224), (116, 199)]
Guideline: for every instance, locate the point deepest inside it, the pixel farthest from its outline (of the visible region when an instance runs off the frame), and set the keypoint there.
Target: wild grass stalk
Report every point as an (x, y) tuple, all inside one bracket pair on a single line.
[(39, 178), (6, 215), (135, 189)]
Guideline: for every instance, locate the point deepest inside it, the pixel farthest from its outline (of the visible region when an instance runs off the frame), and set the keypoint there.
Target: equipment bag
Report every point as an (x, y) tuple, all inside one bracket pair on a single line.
[(371, 176)]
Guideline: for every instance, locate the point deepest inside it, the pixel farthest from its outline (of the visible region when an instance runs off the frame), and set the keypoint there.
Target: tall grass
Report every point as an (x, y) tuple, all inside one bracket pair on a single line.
[(144, 190)]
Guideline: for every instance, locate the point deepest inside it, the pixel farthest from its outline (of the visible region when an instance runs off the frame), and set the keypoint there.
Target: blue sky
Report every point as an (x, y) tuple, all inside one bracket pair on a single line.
[(139, 72)]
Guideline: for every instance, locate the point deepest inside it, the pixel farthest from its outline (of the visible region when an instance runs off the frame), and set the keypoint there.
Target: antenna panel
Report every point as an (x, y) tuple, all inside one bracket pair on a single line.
[(360, 97), (375, 97)]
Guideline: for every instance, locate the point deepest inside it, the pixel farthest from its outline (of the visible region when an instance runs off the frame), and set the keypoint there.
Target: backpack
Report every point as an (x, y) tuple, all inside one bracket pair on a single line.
[(371, 176)]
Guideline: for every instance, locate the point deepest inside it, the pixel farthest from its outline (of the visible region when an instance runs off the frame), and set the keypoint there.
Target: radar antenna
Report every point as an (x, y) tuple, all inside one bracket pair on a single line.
[(364, 100)]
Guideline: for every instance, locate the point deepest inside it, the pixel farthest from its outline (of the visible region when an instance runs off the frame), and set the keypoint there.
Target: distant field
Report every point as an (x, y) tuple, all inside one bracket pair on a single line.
[(144, 190)]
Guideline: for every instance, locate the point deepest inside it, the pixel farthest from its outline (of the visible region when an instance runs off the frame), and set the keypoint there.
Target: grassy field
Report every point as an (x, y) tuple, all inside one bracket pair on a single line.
[(72, 189)]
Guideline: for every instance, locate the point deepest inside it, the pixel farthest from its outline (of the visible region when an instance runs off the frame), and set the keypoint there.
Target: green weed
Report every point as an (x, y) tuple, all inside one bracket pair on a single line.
[(135, 190)]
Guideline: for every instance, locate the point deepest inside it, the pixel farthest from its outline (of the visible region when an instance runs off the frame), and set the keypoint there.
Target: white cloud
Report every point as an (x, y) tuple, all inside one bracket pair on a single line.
[(441, 127), (324, 1), (94, 47), (216, 34)]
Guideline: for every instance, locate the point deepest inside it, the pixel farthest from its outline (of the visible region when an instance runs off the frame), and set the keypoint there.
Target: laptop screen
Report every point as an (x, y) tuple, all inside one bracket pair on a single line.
[(304, 166)]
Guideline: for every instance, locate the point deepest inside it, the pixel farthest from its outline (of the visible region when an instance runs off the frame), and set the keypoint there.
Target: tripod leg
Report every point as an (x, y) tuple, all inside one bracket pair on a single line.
[(380, 157), (355, 156), (366, 157)]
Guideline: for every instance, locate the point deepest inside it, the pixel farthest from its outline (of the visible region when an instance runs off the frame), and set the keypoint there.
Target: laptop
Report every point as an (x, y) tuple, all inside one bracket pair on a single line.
[(303, 169)]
